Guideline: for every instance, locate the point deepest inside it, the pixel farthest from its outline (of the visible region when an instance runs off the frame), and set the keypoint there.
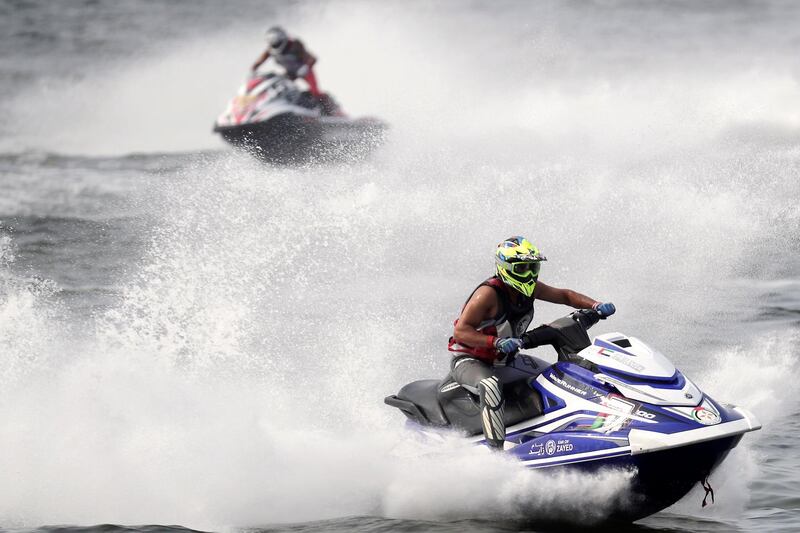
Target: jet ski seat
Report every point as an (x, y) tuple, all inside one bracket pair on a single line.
[(422, 395), (462, 408), (447, 404)]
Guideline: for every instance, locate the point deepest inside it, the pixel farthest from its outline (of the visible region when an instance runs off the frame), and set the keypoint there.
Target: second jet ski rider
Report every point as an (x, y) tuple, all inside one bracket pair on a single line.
[(292, 55), (492, 322)]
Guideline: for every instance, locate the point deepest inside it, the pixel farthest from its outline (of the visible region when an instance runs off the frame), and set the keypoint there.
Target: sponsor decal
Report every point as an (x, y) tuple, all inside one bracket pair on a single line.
[(598, 423), (618, 403), (614, 421), (595, 423), (244, 100), (550, 447), (619, 358), (705, 416), (645, 414), (564, 445), (566, 385), (537, 449)]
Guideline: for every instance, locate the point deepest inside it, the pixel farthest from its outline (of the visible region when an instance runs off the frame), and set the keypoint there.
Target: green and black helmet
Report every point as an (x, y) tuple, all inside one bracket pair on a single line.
[(518, 263)]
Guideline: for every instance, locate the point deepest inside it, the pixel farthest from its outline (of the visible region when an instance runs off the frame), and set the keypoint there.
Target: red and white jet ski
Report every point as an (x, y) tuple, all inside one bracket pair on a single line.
[(272, 118)]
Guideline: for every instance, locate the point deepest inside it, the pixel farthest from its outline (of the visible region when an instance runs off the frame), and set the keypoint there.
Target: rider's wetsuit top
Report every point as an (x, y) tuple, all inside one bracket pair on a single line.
[(292, 57), (512, 320)]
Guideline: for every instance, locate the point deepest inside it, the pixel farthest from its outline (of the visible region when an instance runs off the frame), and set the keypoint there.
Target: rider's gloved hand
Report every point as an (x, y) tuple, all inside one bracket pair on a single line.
[(508, 345), (605, 310), (302, 71)]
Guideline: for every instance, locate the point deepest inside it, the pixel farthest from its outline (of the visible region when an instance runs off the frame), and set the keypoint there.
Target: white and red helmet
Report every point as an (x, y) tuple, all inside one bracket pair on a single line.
[(277, 38)]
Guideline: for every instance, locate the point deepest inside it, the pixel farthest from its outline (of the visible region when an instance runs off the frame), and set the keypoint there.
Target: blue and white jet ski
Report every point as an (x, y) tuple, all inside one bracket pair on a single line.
[(611, 403)]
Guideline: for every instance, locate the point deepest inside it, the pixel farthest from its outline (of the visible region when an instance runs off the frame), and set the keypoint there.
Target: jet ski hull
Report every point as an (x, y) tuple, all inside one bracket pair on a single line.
[(289, 137), (659, 479), (665, 465), (664, 477)]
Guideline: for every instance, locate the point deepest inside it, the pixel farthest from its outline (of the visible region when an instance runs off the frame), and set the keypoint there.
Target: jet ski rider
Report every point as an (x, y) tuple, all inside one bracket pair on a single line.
[(292, 56), (493, 320)]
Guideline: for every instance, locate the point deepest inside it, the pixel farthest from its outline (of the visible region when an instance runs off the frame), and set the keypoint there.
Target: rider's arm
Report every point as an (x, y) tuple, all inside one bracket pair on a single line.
[(563, 296), (263, 57), (481, 306)]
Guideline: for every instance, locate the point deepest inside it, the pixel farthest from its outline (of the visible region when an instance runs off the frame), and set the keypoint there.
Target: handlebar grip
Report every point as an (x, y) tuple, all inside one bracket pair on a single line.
[(586, 317)]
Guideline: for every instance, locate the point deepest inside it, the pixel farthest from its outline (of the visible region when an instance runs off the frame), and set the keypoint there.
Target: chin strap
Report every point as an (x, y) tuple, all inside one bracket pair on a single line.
[(707, 487)]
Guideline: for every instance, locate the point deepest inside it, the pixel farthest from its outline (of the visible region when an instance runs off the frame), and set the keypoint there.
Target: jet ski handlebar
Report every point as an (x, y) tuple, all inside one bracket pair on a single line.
[(567, 334), (586, 317)]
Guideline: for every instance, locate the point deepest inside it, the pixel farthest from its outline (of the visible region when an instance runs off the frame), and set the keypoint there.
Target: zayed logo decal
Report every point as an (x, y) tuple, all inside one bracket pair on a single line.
[(550, 447), (705, 416)]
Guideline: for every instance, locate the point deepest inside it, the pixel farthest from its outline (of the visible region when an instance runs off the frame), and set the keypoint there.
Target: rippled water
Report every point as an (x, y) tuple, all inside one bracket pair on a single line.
[(191, 337)]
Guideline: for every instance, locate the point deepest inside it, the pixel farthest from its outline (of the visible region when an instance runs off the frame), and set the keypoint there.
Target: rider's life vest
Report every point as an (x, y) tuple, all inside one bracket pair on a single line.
[(512, 320), (292, 57)]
